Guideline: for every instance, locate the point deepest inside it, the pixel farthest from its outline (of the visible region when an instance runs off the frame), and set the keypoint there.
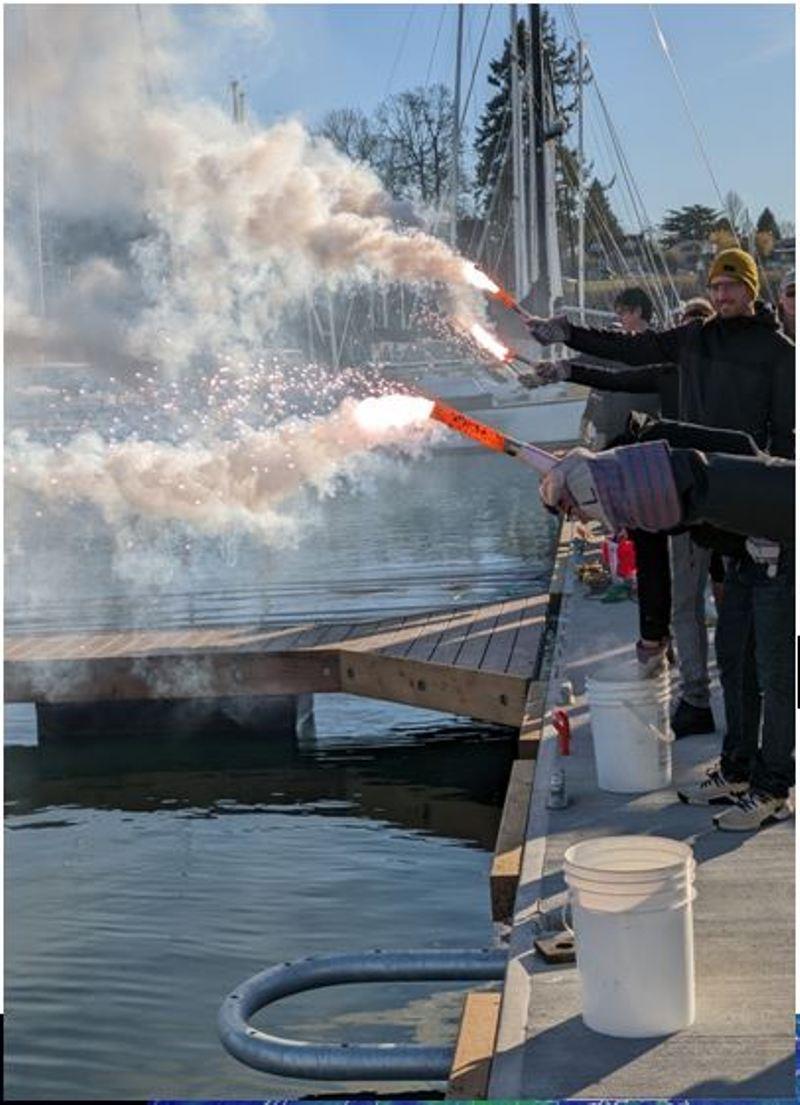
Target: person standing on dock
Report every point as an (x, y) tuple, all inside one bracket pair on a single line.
[(672, 572), (606, 412), (735, 371)]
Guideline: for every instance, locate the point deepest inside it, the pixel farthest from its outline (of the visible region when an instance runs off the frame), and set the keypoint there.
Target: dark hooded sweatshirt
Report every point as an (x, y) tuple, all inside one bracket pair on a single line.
[(731, 373)]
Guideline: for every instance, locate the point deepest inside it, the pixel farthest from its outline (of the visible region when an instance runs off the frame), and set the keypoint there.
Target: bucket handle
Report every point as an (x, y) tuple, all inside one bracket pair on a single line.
[(667, 739)]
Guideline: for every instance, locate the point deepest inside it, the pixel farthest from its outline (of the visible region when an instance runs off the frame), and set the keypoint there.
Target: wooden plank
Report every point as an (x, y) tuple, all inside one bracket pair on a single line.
[(471, 654), (458, 631), (503, 636), (421, 626), (488, 696), (383, 633), (427, 640), (426, 647), (363, 634), (41, 647), (337, 632), (525, 649), (174, 675), (405, 632), (507, 861), (311, 635), (469, 1074), (532, 727)]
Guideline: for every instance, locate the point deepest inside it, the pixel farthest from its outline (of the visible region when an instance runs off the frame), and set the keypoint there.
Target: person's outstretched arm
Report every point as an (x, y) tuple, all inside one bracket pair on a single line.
[(648, 348), (653, 487)]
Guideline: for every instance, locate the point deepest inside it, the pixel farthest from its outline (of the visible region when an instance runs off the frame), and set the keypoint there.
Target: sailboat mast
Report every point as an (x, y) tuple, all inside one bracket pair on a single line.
[(521, 278), (533, 194), (542, 290), (457, 126), (581, 195)]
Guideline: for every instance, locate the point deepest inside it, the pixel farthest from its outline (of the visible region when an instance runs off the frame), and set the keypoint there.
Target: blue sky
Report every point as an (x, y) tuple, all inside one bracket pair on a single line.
[(736, 62)]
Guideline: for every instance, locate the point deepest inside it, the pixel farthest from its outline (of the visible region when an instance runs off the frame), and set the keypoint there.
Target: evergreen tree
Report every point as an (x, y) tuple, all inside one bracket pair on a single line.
[(695, 222), (602, 226), (767, 223), (493, 183)]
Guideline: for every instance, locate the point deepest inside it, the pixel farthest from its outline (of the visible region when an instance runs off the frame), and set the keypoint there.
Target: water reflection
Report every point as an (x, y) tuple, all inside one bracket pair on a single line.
[(447, 784)]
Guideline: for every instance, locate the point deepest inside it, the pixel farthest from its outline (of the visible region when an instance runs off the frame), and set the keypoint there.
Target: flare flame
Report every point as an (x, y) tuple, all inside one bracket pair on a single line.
[(490, 343), (383, 413), (479, 280)]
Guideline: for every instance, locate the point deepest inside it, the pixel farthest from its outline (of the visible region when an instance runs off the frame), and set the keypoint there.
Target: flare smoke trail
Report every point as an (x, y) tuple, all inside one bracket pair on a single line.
[(217, 487), (207, 229)]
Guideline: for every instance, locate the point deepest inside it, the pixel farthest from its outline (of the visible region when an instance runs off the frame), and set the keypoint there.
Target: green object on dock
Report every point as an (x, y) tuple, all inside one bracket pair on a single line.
[(617, 592)]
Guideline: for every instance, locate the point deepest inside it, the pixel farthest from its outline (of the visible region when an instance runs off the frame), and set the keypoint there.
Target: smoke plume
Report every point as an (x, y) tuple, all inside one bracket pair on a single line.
[(215, 488), (208, 229)]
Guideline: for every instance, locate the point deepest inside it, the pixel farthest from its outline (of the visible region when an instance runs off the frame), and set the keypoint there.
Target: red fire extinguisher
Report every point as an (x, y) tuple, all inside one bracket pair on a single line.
[(562, 728)]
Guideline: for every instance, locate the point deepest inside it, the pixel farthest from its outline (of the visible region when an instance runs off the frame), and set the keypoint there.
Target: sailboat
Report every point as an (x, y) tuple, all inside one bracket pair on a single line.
[(488, 390)]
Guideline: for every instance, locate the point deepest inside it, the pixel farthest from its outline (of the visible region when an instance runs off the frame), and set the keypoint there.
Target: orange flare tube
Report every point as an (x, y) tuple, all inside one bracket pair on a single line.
[(469, 427), (523, 451), (505, 298)]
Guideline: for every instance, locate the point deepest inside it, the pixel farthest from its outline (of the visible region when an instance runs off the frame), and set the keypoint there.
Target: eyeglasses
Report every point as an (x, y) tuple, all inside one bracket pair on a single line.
[(723, 285)]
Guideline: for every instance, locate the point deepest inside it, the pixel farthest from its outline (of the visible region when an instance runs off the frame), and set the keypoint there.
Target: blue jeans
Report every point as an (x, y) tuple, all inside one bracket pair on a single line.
[(755, 653)]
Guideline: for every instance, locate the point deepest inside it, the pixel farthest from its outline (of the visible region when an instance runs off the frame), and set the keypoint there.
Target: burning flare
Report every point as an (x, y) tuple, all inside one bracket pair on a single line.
[(490, 343), (484, 283), (391, 412), (479, 280)]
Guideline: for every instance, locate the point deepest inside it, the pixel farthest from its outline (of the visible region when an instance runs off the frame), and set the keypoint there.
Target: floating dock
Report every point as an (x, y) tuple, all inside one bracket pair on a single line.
[(477, 662), (531, 1043)]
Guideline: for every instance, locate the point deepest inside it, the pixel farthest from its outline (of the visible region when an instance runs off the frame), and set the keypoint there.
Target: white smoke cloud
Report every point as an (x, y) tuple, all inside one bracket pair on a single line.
[(229, 225), (215, 488)]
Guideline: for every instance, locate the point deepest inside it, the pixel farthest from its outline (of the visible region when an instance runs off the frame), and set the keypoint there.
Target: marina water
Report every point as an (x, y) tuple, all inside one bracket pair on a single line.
[(145, 879)]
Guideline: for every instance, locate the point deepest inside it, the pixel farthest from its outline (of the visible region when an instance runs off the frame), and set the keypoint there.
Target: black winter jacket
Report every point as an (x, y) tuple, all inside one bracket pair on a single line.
[(658, 378), (735, 373)]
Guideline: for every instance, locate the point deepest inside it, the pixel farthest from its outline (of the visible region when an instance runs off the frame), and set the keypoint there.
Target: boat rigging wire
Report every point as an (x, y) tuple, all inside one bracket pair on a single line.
[(400, 48), (475, 67), (689, 115), (702, 148), (651, 249), (435, 44)]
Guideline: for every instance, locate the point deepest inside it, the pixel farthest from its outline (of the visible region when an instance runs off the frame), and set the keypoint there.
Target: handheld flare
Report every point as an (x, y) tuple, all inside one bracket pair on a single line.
[(483, 283), (382, 415), (493, 439), (495, 347)]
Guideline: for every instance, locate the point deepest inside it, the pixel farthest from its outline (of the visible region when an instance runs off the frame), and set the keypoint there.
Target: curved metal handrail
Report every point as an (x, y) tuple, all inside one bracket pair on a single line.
[(301, 1059)]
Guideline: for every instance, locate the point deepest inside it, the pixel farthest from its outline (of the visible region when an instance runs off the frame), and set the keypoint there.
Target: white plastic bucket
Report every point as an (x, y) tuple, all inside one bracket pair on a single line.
[(631, 899), (630, 729)]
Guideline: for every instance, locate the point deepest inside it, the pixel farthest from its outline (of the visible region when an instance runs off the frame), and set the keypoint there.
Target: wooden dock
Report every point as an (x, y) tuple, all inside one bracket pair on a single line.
[(532, 1044), (477, 662)]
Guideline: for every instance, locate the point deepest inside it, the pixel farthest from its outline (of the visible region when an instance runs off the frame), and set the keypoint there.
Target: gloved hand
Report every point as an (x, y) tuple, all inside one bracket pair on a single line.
[(549, 330), (569, 487), (764, 552), (545, 372), (632, 486)]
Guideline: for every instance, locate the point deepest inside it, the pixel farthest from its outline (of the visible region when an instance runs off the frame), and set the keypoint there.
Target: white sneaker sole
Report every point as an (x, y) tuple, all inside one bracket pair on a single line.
[(780, 815)]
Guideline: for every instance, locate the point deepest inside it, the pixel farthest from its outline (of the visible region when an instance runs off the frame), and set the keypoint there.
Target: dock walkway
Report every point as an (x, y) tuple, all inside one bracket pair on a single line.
[(477, 662), (742, 1043)]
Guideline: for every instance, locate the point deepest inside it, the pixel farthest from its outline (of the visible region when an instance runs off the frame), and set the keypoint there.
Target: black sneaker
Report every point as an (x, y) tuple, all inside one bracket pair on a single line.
[(691, 721)]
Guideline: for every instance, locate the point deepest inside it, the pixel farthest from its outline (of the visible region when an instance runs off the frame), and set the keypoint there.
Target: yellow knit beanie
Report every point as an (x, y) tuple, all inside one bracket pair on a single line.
[(739, 265)]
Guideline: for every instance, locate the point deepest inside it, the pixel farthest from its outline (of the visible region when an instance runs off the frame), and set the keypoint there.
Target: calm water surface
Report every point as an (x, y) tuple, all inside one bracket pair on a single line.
[(145, 880)]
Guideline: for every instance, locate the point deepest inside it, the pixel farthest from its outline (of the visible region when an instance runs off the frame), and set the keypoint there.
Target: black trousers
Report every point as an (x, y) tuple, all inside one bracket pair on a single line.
[(654, 583)]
